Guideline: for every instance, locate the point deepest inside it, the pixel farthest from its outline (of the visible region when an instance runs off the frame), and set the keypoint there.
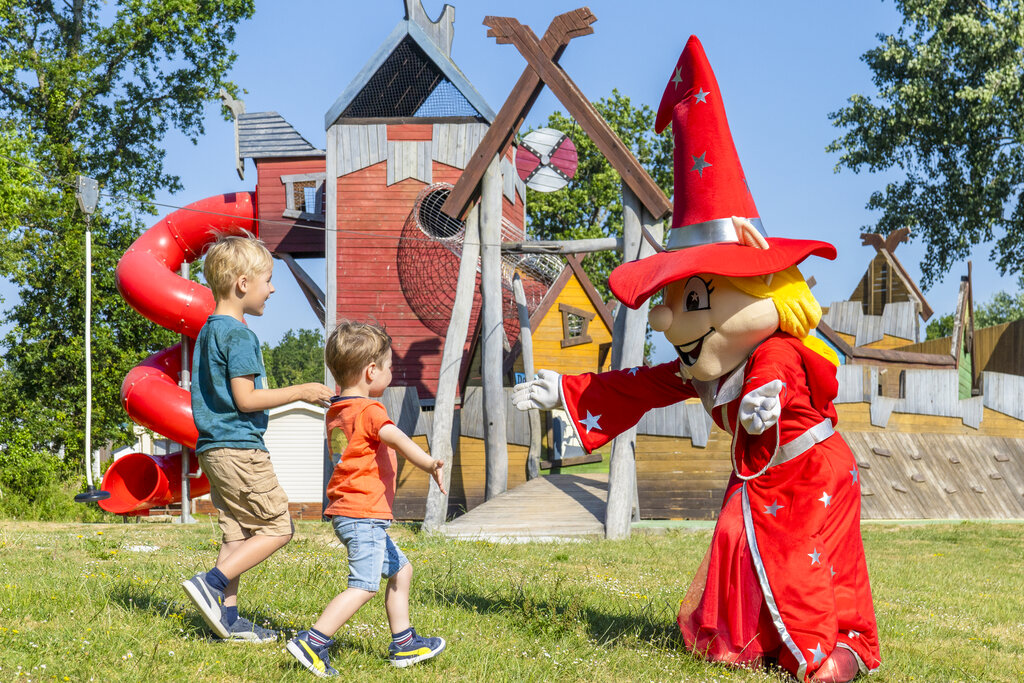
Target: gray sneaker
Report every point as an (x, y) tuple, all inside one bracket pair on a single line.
[(209, 601), (245, 631)]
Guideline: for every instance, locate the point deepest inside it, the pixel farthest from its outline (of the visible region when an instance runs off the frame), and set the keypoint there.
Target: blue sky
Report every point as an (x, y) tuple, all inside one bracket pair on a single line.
[(782, 66)]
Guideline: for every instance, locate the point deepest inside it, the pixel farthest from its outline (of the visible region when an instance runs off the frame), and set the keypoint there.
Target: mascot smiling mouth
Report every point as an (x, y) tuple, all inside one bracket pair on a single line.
[(689, 353)]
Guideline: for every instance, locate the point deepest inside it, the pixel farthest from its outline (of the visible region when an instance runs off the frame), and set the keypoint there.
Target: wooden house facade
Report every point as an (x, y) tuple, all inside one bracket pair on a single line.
[(398, 138)]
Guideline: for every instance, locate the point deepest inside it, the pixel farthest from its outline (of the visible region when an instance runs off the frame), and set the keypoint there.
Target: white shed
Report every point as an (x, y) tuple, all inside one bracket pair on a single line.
[(295, 439)]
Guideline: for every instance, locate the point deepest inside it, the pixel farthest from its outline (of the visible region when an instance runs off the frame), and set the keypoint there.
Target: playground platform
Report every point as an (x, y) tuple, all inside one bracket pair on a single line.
[(555, 507)]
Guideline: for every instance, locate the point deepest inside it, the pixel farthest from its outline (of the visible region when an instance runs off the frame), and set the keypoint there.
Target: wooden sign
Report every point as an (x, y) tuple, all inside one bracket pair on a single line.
[(546, 160)]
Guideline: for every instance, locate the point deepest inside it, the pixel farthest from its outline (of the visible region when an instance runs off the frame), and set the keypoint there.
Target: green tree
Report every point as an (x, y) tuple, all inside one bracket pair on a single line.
[(1003, 308), (89, 88), (948, 120), (298, 358), (590, 206)]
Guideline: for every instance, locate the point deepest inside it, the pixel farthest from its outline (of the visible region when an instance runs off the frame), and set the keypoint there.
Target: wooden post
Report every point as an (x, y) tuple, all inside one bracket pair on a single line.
[(627, 352), (495, 444), (526, 344), (585, 246), (444, 437)]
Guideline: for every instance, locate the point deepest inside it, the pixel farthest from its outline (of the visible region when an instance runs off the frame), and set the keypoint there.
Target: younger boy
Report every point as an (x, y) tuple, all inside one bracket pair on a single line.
[(361, 492), (229, 403)]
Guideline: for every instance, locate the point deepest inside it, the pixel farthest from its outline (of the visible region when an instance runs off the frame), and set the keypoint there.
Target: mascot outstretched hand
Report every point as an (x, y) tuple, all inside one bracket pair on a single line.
[(785, 579)]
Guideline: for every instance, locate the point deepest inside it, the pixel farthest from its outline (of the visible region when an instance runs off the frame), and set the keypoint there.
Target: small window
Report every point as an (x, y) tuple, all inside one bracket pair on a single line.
[(304, 196), (575, 323)]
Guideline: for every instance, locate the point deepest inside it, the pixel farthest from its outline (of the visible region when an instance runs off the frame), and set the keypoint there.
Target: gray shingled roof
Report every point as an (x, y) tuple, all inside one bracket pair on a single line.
[(266, 134)]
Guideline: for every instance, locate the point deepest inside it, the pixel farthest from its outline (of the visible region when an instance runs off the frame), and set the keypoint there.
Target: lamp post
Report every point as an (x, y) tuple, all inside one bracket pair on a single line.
[(87, 194)]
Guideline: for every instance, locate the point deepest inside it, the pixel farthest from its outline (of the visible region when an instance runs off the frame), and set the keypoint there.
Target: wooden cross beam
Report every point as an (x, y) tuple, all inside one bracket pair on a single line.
[(562, 29), (543, 67)]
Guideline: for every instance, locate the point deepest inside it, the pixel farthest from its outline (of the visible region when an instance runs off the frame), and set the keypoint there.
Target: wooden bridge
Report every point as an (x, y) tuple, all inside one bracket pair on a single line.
[(556, 507)]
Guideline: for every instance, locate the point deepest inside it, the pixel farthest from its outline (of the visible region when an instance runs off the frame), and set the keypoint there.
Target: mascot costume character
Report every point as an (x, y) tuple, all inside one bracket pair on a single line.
[(785, 579)]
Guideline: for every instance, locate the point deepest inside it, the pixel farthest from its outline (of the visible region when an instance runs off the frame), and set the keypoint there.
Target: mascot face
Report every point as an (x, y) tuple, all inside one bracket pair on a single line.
[(712, 324)]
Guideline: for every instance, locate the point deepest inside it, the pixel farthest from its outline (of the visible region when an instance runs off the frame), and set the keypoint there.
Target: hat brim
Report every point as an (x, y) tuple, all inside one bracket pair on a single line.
[(634, 282)]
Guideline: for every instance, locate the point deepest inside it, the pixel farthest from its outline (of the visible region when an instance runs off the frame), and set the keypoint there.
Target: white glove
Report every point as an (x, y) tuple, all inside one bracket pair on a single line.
[(760, 408), (539, 393)]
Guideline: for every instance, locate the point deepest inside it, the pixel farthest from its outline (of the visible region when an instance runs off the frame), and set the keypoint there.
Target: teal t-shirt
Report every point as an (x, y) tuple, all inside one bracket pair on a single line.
[(225, 349)]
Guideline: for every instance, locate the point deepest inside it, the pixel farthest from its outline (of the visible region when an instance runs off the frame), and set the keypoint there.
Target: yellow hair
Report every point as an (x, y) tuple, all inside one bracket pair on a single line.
[(798, 310)]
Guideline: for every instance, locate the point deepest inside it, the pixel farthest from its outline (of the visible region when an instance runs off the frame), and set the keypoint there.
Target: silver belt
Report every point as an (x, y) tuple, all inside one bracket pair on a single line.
[(787, 451), (803, 443)]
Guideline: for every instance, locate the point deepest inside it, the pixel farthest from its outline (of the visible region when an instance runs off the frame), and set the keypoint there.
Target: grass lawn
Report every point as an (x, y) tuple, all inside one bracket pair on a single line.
[(102, 602)]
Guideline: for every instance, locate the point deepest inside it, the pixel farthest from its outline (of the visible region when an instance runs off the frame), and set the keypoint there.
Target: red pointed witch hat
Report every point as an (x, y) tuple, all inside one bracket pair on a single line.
[(710, 188)]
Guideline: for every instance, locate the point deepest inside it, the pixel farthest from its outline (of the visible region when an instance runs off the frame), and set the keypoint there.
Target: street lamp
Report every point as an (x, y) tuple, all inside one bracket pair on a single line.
[(87, 193)]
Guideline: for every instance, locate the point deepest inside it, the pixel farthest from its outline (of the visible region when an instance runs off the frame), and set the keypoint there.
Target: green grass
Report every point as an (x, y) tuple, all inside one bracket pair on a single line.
[(84, 602)]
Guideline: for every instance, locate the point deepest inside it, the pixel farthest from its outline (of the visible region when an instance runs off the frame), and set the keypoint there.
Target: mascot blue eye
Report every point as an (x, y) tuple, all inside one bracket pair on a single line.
[(697, 294)]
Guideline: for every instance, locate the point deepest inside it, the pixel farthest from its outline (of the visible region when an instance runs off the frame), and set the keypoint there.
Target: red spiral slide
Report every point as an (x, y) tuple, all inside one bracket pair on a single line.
[(148, 280)]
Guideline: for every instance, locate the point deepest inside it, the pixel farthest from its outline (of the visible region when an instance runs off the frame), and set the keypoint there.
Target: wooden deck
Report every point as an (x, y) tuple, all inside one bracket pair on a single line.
[(556, 507)]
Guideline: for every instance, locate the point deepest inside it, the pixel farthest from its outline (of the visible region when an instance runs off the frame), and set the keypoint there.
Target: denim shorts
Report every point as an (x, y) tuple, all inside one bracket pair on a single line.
[(371, 552)]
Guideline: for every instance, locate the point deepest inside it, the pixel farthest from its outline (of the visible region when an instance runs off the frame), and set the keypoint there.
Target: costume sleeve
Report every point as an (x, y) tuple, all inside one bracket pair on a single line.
[(242, 354), (604, 405), (773, 360)]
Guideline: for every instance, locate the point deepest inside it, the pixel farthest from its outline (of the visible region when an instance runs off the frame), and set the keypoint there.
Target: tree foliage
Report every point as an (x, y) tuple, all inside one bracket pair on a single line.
[(1003, 308), (948, 119), (590, 206), (297, 358), (89, 88)]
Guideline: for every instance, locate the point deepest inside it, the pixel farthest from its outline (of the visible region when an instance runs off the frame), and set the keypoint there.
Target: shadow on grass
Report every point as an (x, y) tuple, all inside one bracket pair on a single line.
[(145, 600), (563, 612)]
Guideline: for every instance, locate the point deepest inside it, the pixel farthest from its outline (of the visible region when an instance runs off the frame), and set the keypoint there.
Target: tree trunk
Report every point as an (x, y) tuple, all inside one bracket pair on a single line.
[(526, 344), (445, 435), (627, 352), (495, 444)]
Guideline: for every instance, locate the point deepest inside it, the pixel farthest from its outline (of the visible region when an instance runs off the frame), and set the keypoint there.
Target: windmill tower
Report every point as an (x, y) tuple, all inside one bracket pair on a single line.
[(403, 130)]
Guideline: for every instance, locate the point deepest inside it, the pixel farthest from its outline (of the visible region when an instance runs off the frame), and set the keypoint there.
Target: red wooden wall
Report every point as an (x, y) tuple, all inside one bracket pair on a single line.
[(279, 233), (371, 219)]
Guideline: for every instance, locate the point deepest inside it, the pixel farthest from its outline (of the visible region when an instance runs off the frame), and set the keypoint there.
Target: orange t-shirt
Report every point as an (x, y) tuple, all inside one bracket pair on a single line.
[(363, 482)]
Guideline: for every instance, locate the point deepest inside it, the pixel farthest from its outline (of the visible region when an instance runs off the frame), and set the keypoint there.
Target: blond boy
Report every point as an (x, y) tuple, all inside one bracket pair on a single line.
[(230, 400), (361, 492)]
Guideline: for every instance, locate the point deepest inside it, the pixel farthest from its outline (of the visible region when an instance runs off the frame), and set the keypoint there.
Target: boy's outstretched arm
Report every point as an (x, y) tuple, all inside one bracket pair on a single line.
[(249, 399), (407, 448)]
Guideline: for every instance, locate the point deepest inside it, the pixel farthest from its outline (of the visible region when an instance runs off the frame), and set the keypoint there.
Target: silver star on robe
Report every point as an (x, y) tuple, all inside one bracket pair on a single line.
[(832, 569), (854, 634), (699, 164), (773, 508), (591, 422), (815, 556), (825, 498), (701, 96), (853, 472), (677, 78), (818, 653), (632, 371)]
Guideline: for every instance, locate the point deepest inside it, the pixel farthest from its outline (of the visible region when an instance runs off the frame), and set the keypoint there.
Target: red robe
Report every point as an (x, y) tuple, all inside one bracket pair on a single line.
[(785, 577)]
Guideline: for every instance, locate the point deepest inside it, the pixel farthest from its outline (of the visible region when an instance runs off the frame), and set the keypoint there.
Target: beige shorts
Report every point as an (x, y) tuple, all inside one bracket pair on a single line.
[(246, 493)]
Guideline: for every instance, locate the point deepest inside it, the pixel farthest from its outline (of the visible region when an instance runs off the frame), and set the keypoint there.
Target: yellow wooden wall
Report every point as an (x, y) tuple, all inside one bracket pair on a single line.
[(573, 360), (466, 490)]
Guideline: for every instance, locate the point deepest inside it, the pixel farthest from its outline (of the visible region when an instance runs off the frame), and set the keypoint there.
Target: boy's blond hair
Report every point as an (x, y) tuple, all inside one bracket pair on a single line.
[(232, 256), (351, 347)]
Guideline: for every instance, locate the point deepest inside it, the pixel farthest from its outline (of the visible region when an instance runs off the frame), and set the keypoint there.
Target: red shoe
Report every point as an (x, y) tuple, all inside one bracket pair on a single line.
[(840, 667)]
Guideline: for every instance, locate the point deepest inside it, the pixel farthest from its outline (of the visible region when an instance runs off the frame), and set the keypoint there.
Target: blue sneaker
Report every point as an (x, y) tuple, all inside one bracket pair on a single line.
[(246, 631), (311, 656), (209, 601), (417, 649)]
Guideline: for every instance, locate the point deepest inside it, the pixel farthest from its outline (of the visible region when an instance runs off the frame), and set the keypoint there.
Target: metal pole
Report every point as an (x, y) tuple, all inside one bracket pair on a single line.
[(186, 384), (87, 195), (88, 354)]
